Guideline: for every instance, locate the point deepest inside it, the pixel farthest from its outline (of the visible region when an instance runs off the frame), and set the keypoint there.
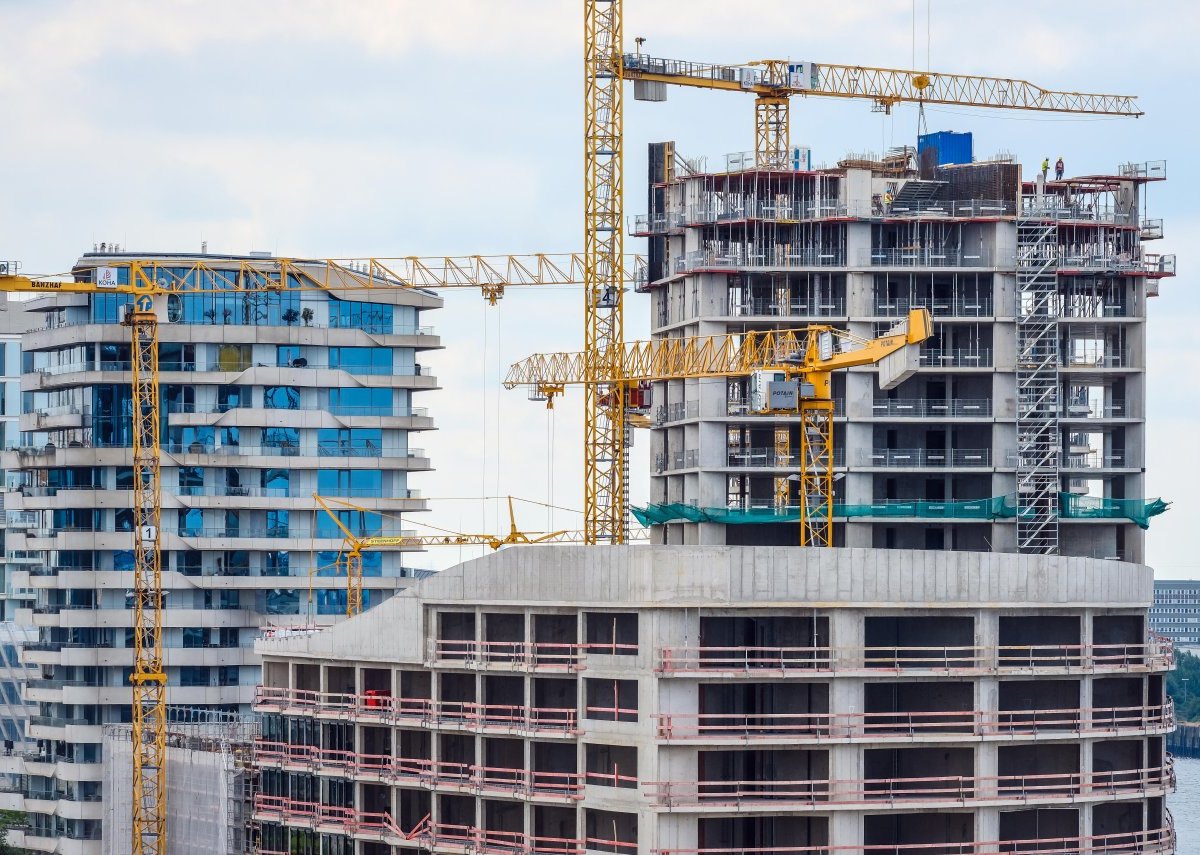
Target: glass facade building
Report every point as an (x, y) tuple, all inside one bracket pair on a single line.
[(268, 396)]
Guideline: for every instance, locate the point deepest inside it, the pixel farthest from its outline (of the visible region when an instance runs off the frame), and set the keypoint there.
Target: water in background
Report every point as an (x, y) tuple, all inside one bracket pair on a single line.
[(1185, 804)]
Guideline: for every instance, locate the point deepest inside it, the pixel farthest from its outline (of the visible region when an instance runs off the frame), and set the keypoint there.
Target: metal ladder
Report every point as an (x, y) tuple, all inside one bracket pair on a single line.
[(1038, 434)]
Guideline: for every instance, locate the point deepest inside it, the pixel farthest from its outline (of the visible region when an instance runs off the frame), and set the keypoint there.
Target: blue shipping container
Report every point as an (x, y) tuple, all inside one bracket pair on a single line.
[(951, 147)]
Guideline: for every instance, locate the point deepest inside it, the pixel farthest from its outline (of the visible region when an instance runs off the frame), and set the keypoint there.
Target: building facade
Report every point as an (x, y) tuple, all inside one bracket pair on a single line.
[(680, 700), (273, 388), (1023, 429), (1176, 611)]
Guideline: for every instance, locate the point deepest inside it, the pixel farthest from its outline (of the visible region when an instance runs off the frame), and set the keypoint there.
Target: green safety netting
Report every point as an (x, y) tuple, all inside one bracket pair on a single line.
[(996, 507), (1087, 507)]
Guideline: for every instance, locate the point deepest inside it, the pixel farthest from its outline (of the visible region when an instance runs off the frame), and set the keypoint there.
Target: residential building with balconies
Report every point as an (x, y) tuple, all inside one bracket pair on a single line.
[(272, 389)]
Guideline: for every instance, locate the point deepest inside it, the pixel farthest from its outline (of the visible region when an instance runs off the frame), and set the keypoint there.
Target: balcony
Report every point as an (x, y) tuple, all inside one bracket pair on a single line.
[(1155, 654), (923, 408), (927, 257), (953, 789), (511, 655), (767, 458), (954, 307), (971, 357), (470, 716), (560, 786), (739, 256), (924, 458), (905, 726), (830, 307), (1158, 841)]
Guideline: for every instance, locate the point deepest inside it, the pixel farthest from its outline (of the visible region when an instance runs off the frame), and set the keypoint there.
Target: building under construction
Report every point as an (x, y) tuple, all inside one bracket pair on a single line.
[(711, 700), (1023, 427)]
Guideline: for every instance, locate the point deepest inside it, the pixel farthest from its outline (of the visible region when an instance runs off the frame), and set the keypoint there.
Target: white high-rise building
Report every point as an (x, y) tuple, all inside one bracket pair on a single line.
[(268, 396)]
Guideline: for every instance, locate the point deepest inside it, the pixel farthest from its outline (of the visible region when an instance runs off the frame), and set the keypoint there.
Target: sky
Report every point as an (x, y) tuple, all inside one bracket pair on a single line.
[(388, 128)]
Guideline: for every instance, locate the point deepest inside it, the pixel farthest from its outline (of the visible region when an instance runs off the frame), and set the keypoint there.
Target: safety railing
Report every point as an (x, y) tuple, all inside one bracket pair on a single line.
[(903, 458), (383, 708), (955, 788), (923, 408), (790, 307), (313, 814), (419, 772), (767, 458), (928, 257), (1150, 842), (525, 655), (884, 726), (956, 357), (725, 257), (1155, 654), (963, 307)]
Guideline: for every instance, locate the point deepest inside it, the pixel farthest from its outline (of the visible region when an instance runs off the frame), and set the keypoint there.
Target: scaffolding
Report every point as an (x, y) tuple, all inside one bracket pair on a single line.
[(211, 779), (1037, 385)]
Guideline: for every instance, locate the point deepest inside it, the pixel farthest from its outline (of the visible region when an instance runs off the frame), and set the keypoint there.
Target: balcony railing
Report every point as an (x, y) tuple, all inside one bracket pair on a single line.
[(957, 357), (421, 712), (1064, 786), (962, 307), (883, 726), (1155, 654), (1156, 841), (911, 458), (926, 257), (793, 307), (923, 408), (766, 458), (422, 772), (731, 256), (524, 655)]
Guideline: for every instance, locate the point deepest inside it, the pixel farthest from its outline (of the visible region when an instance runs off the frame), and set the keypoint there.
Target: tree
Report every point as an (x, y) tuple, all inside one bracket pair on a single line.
[(1183, 685), (10, 819)]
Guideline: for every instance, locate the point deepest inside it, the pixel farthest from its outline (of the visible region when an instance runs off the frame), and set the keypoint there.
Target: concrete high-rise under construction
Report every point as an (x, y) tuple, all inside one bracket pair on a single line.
[(1024, 427), (269, 395)]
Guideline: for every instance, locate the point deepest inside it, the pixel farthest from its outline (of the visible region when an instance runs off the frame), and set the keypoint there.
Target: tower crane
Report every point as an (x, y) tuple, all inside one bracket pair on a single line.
[(356, 544), (791, 374), (149, 283), (772, 82)]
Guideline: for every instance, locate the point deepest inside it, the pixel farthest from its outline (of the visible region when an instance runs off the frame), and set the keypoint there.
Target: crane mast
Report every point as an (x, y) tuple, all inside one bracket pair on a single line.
[(149, 676), (605, 454)]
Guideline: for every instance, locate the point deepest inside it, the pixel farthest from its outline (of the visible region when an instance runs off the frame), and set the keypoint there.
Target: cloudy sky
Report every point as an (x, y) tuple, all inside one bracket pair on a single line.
[(356, 128)]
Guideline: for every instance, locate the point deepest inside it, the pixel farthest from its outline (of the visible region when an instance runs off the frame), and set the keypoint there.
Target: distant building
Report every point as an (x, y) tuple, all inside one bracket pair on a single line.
[(1176, 611)]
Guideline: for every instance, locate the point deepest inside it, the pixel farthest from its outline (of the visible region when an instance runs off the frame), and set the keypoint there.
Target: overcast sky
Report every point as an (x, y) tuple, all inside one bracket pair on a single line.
[(398, 127)]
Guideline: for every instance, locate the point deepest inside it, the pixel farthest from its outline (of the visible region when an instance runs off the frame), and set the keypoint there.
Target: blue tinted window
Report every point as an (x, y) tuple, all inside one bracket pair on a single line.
[(277, 523), (191, 522), (349, 482), (349, 442), (360, 523), (288, 356), (277, 480), (359, 401), (361, 360), (281, 398), (352, 314), (110, 308)]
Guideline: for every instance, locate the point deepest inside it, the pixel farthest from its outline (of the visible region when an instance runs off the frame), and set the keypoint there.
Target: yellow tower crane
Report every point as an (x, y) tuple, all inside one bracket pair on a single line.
[(147, 282), (772, 82), (791, 374), (355, 544)]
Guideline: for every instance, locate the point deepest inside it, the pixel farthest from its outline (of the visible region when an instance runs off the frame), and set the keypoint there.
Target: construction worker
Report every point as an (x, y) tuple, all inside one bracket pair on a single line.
[(887, 200), (1045, 167), (1059, 169)]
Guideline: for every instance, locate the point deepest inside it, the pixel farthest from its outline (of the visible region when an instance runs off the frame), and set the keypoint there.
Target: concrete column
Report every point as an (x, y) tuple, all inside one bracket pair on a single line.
[(987, 766), (845, 829), (987, 823)]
